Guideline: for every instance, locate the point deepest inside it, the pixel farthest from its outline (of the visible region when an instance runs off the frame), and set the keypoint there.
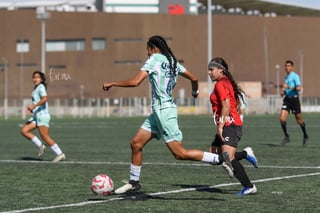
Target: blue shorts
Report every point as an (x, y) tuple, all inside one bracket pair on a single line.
[(40, 120), (164, 124)]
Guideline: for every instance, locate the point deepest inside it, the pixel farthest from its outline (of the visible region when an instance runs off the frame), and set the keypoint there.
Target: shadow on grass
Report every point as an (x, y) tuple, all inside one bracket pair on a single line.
[(274, 145), (205, 188), (127, 196), (30, 159), (141, 196)]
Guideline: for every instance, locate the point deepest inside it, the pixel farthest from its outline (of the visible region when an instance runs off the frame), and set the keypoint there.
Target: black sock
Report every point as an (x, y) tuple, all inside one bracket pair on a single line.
[(240, 155), (284, 128), (241, 174), (303, 127)]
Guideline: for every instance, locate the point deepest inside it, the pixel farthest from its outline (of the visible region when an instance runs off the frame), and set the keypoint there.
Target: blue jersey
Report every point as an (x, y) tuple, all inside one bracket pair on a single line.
[(292, 80), (162, 80)]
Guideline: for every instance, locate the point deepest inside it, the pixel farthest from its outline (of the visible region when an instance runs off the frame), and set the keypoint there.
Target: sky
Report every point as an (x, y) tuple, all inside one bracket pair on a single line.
[(311, 4)]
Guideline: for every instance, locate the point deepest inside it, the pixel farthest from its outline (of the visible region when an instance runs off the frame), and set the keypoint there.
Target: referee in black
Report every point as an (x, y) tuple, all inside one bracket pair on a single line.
[(291, 102)]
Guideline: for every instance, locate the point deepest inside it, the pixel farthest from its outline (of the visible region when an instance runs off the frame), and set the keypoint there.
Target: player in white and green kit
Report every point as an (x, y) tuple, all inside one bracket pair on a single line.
[(41, 118), (163, 70)]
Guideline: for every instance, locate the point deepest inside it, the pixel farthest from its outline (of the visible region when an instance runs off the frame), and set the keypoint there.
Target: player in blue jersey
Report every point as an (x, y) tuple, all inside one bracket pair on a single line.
[(291, 88), (163, 70), (41, 118)]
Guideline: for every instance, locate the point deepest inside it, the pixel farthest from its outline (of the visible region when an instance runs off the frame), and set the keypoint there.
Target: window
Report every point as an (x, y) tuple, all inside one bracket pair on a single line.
[(65, 45), (98, 43), (23, 46), (122, 40)]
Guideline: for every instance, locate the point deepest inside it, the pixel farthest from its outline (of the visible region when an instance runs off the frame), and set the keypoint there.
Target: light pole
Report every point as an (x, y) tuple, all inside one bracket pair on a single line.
[(5, 87), (266, 58), (278, 79), (209, 27), (301, 73), (21, 69), (43, 15)]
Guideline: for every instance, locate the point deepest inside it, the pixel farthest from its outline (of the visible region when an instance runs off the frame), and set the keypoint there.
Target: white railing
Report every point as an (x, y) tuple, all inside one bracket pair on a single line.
[(126, 107)]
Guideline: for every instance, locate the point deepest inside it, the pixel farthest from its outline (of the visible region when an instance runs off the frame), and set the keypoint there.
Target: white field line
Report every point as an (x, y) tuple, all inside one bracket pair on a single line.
[(155, 194), (158, 193), (148, 163)]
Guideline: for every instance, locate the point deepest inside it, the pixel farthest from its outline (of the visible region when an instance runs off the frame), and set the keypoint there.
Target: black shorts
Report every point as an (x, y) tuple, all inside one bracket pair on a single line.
[(291, 104), (232, 135)]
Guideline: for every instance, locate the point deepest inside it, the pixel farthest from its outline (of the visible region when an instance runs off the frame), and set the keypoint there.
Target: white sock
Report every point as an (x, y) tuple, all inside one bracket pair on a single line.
[(56, 149), (36, 141), (209, 157), (135, 172)]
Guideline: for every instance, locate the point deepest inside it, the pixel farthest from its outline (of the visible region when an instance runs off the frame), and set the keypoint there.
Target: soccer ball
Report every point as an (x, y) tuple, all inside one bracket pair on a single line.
[(102, 184)]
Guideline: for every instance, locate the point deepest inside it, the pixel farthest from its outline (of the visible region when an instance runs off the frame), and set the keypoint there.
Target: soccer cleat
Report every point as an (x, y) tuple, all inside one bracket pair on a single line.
[(286, 140), (251, 157), (41, 150), (128, 186), (305, 139), (228, 169), (227, 162), (248, 191), (59, 158)]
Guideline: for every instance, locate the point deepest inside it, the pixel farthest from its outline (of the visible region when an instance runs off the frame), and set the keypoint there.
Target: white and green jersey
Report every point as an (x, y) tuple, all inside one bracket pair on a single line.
[(37, 94), (162, 80)]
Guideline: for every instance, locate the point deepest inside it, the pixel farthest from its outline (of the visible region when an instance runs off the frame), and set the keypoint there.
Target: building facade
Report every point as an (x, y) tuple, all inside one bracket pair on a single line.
[(85, 49)]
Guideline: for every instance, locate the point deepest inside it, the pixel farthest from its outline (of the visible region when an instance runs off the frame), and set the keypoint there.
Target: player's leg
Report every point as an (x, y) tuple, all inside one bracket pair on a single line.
[(141, 138), (146, 133), (43, 122), (239, 172), (302, 124), (44, 132), (215, 147), (168, 124), (283, 117), (180, 153), (26, 131)]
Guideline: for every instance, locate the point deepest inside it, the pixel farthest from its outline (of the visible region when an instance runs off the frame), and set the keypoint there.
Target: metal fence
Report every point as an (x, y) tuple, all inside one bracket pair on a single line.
[(126, 107)]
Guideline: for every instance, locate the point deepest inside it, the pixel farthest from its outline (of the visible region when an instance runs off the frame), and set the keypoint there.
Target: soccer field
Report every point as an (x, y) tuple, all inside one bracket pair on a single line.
[(288, 177)]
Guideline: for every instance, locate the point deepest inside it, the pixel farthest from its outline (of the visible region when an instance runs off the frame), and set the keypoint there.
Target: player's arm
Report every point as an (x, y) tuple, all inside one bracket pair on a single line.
[(225, 112), (298, 88), (194, 82), (43, 100), (133, 82)]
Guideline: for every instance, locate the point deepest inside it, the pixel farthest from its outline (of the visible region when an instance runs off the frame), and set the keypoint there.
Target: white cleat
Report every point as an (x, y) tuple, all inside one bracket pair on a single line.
[(251, 157), (248, 191), (42, 148), (59, 158), (228, 169), (127, 187)]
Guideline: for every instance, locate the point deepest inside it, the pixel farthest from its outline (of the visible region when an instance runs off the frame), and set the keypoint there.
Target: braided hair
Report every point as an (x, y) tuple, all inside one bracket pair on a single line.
[(221, 63), (160, 43)]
